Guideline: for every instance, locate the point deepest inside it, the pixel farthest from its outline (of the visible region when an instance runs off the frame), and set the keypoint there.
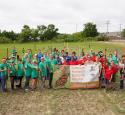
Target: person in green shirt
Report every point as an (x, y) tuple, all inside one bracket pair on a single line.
[(12, 74), (27, 70), (43, 71), (109, 59), (29, 53), (34, 74), (3, 75), (51, 65), (115, 57), (20, 73), (46, 57)]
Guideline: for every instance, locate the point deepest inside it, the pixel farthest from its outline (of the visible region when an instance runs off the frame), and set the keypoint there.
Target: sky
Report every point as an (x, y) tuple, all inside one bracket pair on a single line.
[(67, 15)]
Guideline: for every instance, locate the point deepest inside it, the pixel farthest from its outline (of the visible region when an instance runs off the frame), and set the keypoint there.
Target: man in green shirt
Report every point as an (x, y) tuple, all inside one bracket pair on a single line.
[(43, 71), (51, 65), (28, 71), (3, 74)]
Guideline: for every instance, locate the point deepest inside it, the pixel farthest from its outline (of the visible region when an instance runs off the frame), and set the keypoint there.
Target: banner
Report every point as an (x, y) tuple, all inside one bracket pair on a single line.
[(76, 76)]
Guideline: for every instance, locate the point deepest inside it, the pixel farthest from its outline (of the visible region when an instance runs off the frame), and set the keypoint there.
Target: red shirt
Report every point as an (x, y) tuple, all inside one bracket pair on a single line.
[(65, 63), (102, 61), (108, 74), (114, 69), (79, 61), (84, 59), (73, 63), (106, 67), (93, 58)]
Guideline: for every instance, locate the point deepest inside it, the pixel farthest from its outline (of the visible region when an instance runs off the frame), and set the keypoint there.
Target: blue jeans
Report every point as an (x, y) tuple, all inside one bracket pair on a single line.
[(27, 82), (2, 83)]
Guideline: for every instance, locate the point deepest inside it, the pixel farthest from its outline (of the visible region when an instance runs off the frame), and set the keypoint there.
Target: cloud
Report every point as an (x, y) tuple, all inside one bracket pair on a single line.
[(65, 14)]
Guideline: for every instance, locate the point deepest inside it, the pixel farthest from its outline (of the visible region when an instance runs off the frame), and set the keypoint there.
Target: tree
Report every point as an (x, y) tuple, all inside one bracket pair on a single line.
[(123, 33), (47, 33), (25, 34), (10, 35), (90, 30)]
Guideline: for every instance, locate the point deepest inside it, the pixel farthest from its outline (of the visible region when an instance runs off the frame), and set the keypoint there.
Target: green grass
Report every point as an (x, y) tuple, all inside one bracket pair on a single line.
[(64, 101), (46, 46)]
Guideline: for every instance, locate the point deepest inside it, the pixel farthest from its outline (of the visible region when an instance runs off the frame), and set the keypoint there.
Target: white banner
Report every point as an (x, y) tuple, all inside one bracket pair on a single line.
[(84, 73)]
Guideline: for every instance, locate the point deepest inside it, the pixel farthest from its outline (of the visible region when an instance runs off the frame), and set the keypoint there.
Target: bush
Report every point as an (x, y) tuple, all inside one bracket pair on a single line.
[(102, 38), (5, 40)]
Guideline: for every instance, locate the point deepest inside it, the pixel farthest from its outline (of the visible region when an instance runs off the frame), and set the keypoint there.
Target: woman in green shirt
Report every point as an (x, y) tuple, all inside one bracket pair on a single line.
[(20, 73), (34, 74), (28, 71)]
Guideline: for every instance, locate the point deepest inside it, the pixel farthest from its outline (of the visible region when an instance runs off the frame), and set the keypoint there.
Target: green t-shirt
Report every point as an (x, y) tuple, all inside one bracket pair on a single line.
[(3, 67), (13, 71), (34, 73), (24, 60), (20, 71), (51, 65), (43, 68), (115, 59), (46, 58), (30, 56), (28, 69)]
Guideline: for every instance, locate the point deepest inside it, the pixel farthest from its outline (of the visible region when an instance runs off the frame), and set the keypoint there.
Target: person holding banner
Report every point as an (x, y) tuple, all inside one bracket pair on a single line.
[(108, 77), (73, 61), (68, 58)]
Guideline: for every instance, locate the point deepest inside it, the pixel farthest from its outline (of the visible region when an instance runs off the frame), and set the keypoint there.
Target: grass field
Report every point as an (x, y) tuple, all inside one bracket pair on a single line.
[(63, 102)]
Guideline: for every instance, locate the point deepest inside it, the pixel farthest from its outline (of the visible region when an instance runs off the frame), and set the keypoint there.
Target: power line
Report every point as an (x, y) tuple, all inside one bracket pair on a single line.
[(107, 24)]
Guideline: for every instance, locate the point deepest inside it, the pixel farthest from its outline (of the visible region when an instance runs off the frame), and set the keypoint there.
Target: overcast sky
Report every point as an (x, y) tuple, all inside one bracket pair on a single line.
[(65, 14)]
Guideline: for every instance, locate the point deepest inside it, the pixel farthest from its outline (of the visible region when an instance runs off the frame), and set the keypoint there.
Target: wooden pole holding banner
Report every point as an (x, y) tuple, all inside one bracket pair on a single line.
[(105, 55), (7, 53)]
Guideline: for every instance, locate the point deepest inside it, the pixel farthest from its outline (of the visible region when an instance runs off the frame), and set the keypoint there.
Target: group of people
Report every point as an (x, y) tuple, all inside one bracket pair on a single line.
[(40, 67)]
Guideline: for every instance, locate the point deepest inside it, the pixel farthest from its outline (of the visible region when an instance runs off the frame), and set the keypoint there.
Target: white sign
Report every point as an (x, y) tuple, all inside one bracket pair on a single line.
[(84, 73)]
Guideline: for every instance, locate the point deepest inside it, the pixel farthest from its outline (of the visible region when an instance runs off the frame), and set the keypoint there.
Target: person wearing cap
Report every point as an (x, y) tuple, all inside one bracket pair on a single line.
[(3, 75), (34, 74), (14, 51), (43, 71), (89, 60), (27, 70)]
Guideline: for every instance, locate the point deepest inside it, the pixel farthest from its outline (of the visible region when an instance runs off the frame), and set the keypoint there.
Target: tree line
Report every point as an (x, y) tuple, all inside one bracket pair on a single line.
[(50, 32)]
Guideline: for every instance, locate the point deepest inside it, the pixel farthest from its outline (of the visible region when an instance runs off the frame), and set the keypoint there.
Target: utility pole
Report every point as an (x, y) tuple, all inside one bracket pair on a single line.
[(76, 27), (107, 24), (120, 31)]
